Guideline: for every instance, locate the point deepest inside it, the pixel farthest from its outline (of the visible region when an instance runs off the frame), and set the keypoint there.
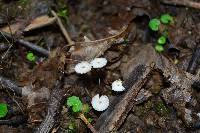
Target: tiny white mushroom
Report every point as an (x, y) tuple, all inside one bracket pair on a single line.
[(117, 85), (100, 103), (83, 67), (98, 62)]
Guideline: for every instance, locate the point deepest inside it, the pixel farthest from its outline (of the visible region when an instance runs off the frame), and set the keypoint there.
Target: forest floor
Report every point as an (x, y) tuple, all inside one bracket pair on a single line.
[(152, 46)]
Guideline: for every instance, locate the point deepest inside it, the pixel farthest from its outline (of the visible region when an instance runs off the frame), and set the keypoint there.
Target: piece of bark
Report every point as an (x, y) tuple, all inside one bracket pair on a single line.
[(53, 111), (11, 85), (187, 3), (114, 116), (170, 71), (194, 62)]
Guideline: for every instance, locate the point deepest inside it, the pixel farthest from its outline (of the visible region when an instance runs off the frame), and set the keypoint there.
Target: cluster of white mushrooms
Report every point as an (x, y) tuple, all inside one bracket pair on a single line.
[(99, 103)]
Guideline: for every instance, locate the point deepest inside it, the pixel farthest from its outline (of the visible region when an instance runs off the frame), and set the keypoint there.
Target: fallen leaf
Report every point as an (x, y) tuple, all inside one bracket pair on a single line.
[(14, 28), (86, 51), (36, 23), (39, 22)]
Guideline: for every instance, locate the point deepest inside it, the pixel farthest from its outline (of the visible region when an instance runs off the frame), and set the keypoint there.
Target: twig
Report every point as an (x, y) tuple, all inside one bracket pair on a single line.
[(82, 117), (194, 62), (187, 3), (62, 28), (4, 55), (6, 83), (16, 121), (28, 45)]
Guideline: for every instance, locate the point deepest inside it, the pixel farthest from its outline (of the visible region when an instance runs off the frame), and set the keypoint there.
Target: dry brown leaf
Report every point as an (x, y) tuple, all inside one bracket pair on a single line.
[(39, 22), (14, 28), (91, 49), (36, 23), (86, 51)]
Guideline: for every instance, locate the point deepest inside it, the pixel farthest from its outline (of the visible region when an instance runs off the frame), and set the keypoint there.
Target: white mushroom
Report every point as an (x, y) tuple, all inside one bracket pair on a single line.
[(83, 67), (117, 85), (98, 62), (100, 103)]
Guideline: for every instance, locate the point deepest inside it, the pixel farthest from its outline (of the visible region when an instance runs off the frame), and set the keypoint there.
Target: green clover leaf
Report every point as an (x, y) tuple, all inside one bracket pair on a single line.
[(154, 24), (75, 103), (166, 19), (161, 40), (159, 48), (31, 57), (3, 110)]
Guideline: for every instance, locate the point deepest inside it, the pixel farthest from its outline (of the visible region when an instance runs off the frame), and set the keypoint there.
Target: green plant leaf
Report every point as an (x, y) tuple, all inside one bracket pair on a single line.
[(159, 48), (161, 40), (166, 19), (3, 110), (75, 103), (90, 120), (63, 12), (154, 24), (31, 57)]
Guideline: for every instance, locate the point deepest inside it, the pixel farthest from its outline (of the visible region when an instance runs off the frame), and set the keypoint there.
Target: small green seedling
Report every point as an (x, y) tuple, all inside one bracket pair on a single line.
[(30, 57), (166, 19), (3, 110), (72, 125), (159, 48), (23, 2), (75, 103), (90, 120), (63, 12), (154, 24), (161, 40)]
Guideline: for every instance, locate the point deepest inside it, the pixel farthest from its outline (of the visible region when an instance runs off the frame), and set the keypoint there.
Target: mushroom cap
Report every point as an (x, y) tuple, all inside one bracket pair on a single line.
[(83, 67), (98, 62), (100, 103), (117, 85)]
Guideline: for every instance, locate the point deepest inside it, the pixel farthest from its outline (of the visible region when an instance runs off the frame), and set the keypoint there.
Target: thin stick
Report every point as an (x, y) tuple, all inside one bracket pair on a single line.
[(82, 117), (187, 3), (6, 83), (28, 45), (11, 44), (62, 28)]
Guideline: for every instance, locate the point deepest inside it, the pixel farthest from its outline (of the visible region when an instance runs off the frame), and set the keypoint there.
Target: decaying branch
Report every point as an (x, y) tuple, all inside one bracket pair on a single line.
[(114, 116), (194, 62), (54, 108), (187, 3), (138, 72), (8, 84)]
